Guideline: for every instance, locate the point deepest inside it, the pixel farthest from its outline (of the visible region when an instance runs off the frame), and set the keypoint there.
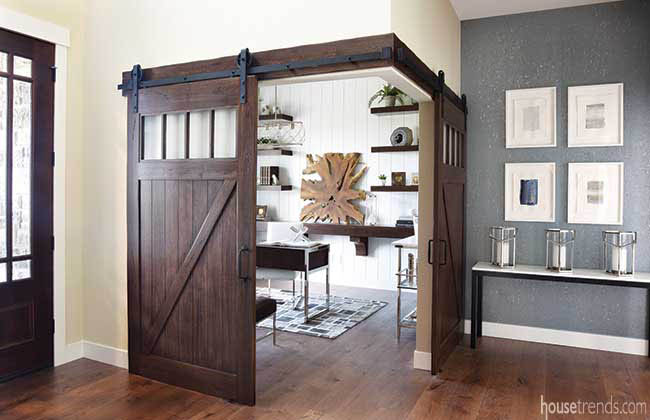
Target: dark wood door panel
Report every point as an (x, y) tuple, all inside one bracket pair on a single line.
[(26, 269), (191, 315)]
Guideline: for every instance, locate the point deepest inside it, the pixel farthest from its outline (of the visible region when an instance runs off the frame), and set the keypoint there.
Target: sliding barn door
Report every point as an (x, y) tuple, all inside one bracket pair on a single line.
[(449, 230), (191, 222)]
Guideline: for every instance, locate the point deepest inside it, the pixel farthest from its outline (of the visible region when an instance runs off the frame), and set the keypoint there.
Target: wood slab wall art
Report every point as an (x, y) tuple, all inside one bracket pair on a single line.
[(331, 196)]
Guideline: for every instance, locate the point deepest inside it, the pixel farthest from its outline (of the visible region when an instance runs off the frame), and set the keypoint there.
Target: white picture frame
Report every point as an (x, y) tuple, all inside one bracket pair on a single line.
[(595, 115), (542, 207), (595, 193), (531, 118)]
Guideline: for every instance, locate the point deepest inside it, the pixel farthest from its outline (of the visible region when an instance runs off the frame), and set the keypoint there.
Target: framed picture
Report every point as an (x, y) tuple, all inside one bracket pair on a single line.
[(262, 213), (596, 115), (398, 179), (595, 193), (530, 118), (530, 192)]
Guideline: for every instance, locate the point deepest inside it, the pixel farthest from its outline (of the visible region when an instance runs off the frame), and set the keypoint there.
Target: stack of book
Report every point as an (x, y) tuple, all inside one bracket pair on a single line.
[(269, 175), (404, 222)]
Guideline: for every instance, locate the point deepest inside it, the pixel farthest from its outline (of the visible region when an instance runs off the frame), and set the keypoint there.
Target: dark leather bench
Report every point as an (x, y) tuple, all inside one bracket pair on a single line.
[(264, 308)]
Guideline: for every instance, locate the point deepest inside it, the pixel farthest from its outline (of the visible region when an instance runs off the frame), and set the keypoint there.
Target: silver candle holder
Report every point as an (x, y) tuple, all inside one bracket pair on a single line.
[(619, 249), (559, 249), (503, 245)]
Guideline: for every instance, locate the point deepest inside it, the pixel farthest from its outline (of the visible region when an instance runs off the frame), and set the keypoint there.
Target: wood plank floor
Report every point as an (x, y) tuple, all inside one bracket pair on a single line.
[(365, 374)]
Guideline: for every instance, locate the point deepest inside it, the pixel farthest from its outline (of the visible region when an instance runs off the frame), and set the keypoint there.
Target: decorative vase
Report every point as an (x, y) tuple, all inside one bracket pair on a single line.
[(389, 100), (383, 182)]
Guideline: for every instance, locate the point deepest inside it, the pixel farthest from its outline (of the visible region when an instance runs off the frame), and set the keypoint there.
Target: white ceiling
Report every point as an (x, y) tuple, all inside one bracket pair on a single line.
[(474, 9)]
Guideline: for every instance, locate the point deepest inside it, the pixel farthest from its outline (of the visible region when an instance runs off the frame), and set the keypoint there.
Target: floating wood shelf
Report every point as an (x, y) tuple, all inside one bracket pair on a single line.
[(394, 188), (386, 149), (394, 110), (276, 117), (274, 187), (359, 234), (275, 152)]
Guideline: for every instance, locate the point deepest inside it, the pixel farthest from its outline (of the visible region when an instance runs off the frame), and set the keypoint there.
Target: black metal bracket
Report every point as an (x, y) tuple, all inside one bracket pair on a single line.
[(441, 81), (463, 99), (244, 69), (243, 61), (136, 77)]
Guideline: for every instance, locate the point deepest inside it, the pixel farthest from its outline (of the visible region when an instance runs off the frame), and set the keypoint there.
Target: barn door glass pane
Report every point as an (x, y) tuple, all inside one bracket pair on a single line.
[(3, 273), (175, 136), (3, 61), (21, 270), (225, 133), (21, 171), (22, 66), (3, 170), (152, 137), (200, 135)]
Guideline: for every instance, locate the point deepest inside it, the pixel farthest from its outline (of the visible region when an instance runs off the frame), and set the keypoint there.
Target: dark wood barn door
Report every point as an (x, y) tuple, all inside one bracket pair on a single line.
[(449, 230), (191, 218), (26, 216)]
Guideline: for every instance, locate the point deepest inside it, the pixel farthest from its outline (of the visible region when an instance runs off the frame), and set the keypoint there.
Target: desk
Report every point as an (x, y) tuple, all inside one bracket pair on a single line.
[(534, 272), (301, 259)]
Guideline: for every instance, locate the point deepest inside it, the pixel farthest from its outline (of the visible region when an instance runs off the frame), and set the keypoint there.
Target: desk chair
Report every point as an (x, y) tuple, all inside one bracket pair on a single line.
[(264, 308), (278, 232)]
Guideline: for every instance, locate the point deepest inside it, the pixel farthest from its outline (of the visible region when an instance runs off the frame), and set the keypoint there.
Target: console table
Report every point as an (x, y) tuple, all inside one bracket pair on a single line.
[(534, 272)]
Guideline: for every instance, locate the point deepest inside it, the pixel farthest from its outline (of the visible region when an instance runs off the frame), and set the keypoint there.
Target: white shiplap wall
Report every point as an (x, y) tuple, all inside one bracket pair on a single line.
[(337, 119)]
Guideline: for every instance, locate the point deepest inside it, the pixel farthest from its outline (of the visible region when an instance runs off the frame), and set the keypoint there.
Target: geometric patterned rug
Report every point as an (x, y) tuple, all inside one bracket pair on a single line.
[(344, 314)]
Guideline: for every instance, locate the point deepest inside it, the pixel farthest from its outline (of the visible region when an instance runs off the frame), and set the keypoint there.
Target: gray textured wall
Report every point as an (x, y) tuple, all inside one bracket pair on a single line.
[(604, 43)]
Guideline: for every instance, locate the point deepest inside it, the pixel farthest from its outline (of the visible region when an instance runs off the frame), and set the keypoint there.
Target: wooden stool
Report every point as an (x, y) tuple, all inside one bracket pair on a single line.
[(264, 308)]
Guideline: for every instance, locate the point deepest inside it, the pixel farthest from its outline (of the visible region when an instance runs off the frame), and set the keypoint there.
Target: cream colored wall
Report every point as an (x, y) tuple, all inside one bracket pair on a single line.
[(432, 30), (152, 33), (425, 227), (68, 14)]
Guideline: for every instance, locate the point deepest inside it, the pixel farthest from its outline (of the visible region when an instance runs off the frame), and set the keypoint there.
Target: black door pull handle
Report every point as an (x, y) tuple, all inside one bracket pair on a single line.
[(240, 272)]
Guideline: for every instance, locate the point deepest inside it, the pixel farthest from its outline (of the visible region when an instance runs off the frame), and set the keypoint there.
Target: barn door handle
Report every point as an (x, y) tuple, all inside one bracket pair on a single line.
[(240, 272), (444, 252), (429, 259)]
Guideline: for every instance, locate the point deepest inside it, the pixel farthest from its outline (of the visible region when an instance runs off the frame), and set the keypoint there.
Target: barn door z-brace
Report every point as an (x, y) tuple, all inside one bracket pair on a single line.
[(244, 69)]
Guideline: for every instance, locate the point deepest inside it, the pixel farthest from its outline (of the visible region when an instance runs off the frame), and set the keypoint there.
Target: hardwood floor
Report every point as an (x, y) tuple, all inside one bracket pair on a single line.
[(364, 374)]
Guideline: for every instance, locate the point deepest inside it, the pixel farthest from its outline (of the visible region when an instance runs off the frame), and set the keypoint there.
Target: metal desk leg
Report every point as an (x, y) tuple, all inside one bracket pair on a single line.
[(399, 294), (474, 310), (648, 315), (306, 297), (479, 311), (327, 281)]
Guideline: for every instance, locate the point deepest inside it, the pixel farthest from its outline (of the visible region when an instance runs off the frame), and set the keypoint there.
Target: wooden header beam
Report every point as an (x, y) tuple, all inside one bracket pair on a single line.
[(401, 57)]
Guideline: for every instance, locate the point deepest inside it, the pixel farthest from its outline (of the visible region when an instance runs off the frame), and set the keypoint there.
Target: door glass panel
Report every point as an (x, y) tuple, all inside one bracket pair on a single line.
[(175, 131), (21, 270), (200, 134), (3, 61), (225, 133), (3, 168), (3, 273), (22, 66), (152, 137), (21, 171)]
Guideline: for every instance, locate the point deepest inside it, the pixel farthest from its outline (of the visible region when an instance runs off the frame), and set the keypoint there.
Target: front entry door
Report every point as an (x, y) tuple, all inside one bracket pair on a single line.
[(26, 242), (449, 230), (191, 236)]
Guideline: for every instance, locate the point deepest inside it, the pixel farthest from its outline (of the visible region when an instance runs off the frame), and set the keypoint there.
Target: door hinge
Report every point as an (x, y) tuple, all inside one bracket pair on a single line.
[(52, 242), (53, 326), (53, 70), (53, 158)]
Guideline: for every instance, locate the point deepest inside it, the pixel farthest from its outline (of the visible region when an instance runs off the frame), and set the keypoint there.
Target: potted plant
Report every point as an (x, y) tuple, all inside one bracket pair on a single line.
[(389, 94), (382, 179)]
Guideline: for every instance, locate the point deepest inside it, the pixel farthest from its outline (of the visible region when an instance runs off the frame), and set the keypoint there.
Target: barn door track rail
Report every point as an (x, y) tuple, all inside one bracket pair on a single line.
[(245, 69)]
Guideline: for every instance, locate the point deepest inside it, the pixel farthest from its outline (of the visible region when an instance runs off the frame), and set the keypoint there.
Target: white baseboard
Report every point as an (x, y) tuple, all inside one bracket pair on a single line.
[(98, 352), (564, 338), (422, 360)]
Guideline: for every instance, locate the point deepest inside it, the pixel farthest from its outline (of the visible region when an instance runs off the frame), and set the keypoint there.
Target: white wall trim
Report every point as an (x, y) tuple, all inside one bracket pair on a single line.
[(97, 352), (611, 343), (422, 360), (36, 28)]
